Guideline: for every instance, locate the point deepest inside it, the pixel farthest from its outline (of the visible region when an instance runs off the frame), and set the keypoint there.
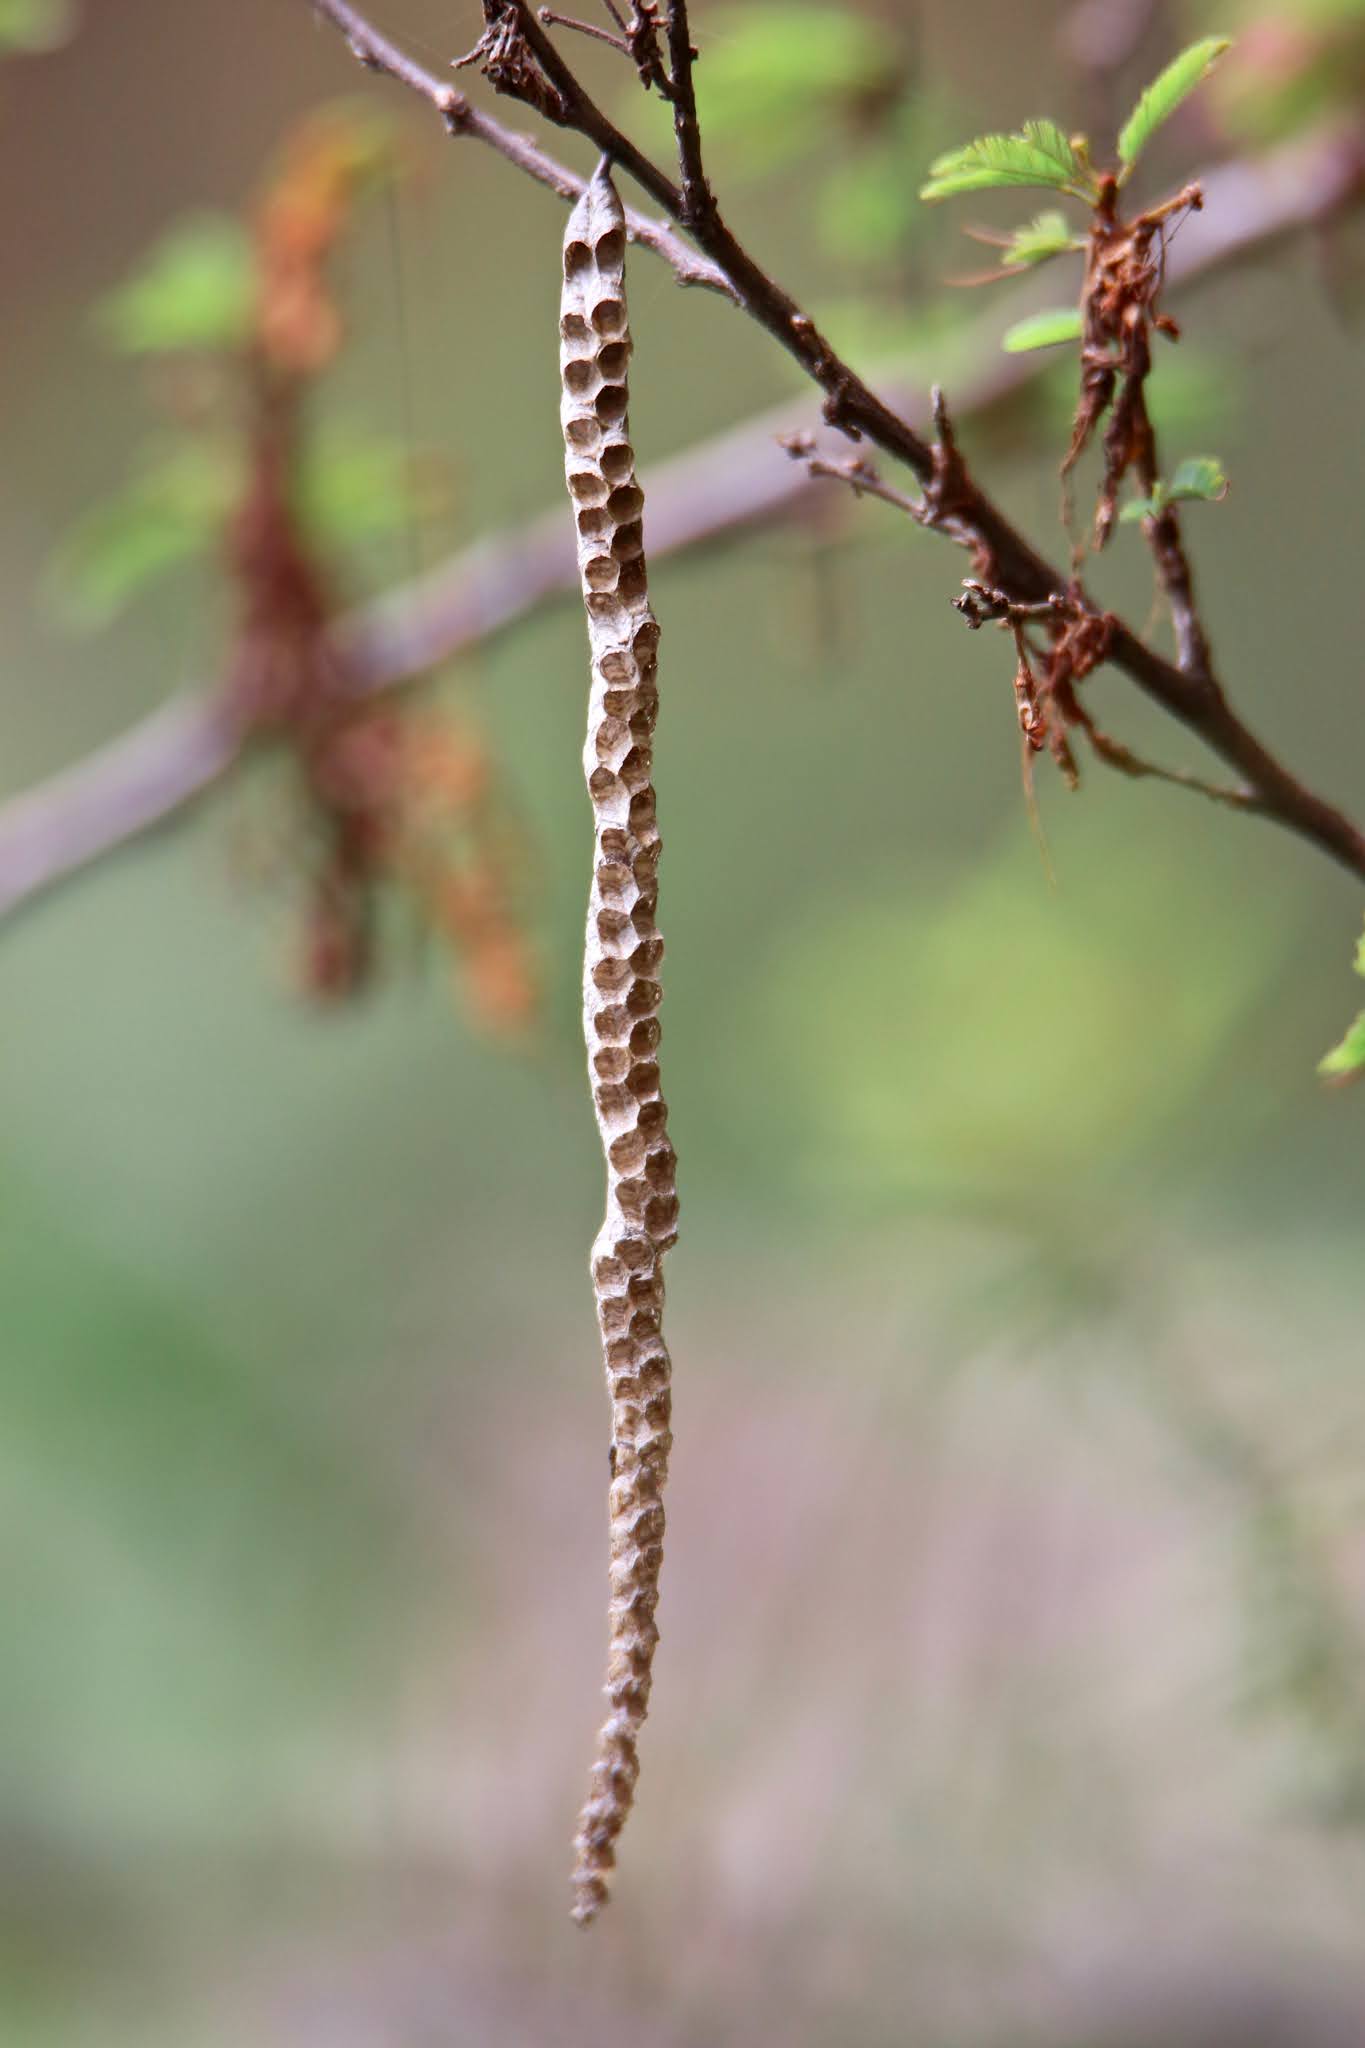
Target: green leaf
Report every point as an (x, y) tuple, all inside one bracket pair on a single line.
[(1042, 330), (192, 292), (1349, 1057), (776, 78), (30, 28), (1047, 234), (172, 510), (1040, 155), (1198, 476), (1166, 93)]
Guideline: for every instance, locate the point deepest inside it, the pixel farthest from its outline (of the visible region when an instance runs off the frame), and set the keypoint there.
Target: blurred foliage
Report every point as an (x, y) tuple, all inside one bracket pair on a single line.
[(1198, 477), (779, 79), (1020, 1036), (231, 291), (828, 90), (193, 290), (171, 511), (1290, 67), (1348, 1057), (353, 486), (1042, 330), (31, 28)]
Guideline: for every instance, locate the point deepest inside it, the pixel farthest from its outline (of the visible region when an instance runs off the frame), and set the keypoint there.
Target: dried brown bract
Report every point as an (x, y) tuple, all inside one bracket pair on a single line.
[(1124, 272)]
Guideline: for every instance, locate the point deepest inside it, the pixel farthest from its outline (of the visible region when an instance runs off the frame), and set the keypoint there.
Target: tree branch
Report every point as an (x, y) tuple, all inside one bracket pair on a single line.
[(377, 53), (1195, 698), (733, 482), (697, 198)]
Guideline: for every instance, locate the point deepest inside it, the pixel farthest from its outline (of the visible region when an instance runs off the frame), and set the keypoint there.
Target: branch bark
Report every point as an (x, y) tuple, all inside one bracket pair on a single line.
[(1195, 698), (738, 480), (461, 117)]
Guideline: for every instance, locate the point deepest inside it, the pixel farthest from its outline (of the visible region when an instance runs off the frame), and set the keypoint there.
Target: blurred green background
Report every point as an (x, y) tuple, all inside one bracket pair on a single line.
[(1011, 1684)]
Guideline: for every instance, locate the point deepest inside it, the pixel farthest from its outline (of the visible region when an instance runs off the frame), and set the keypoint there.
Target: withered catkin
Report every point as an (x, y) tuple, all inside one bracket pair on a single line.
[(620, 992)]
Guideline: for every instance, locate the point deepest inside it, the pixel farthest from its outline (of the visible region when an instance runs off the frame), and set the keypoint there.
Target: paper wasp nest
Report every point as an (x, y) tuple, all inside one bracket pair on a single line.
[(620, 991)]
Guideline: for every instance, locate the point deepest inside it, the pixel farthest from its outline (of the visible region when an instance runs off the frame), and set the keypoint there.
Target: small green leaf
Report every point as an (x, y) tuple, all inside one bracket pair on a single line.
[(173, 509), (1166, 93), (1198, 476), (1040, 155), (192, 292), (1349, 1056), (1042, 330), (30, 28), (1144, 508), (1047, 234)]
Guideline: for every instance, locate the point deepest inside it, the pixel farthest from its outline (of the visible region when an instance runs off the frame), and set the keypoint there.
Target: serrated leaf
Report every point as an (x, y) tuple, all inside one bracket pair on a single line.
[(1043, 330), (777, 76), (1040, 155), (192, 292), (172, 510), (1166, 93), (1198, 476), (1047, 234), (1143, 508), (30, 28)]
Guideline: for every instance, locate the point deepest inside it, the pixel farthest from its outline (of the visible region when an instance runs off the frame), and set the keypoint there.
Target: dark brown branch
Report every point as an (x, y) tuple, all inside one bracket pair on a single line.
[(1195, 699), (1176, 577), (377, 53), (697, 197), (735, 481)]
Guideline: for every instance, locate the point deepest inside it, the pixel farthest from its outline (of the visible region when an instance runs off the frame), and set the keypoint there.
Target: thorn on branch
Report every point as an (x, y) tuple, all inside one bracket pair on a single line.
[(946, 489)]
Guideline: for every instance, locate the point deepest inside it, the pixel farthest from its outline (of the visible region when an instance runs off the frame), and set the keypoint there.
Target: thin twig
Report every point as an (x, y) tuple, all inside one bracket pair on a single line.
[(461, 117), (1197, 700), (854, 470), (698, 201), (735, 481), (584, 28)]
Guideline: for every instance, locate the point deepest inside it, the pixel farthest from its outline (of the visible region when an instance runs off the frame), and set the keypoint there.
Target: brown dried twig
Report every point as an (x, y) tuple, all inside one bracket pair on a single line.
[(377, 53), (149, 775), (1191, 695)]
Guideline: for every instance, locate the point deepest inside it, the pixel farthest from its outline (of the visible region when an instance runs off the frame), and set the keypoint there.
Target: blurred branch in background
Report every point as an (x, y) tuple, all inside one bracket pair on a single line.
[(521, 61), (736, 481)]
